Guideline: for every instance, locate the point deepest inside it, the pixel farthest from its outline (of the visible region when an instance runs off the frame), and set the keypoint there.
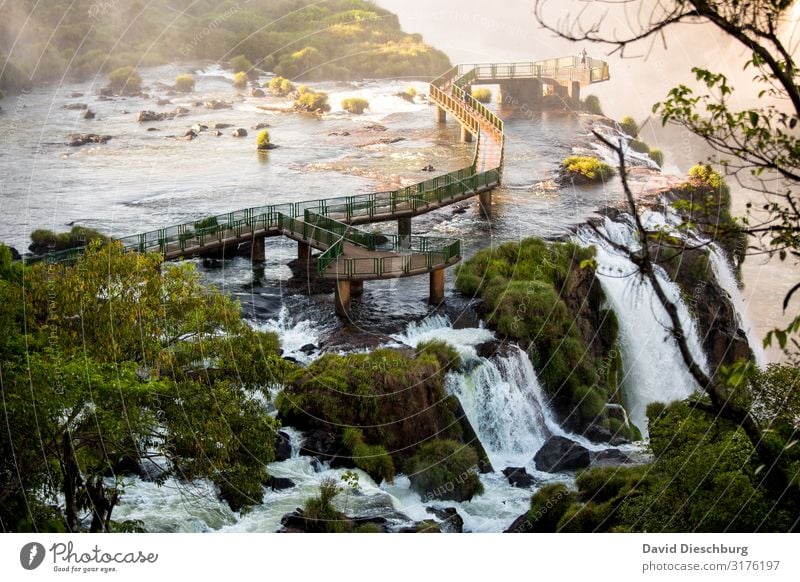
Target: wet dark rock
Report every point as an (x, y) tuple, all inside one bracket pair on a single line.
[(427, 526), (147, 116), (561, 454), (339, 133), (598, 433), (15, 256), (257, 126), (279, 483), (452, 522), (216, 104), (189, 135), (215, 133), (153, 129), (494, 348), (75, 106), (257, 93), (80, 139), (519, 477), (222, 125), (240, 132), (181, 111), (326, 446), (428, 168), (89, 114), (291, 359), (309, 349), (283, 447), (305, 280), (163, 102), (199, 127), (375, 127), (382, 141), (76, 94), (212, 263), (610, 457)]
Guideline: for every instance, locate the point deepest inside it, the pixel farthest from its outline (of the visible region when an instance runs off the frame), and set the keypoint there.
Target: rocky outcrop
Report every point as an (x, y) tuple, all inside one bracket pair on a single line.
[(279, 483), (561, 454), (81, 139), (283, 447), (326, 446), (216, 104), (240, 132), (451, 521), (75, 106)]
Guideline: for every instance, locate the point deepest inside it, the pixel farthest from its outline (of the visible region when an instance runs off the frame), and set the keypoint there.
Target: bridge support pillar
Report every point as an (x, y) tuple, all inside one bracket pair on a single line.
[(575, 93), (466, 136), (437, 286), (342, 297), (441, 115), (485, 201), (521, 93), (404, 232), (562, 91), (356, 288), (303, 251), (257, 252)]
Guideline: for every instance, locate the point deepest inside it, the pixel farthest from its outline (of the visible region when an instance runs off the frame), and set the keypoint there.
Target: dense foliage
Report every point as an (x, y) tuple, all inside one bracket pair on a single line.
[(482, 94), (338, 39), (112, 361), (355, 105), (581, 169)]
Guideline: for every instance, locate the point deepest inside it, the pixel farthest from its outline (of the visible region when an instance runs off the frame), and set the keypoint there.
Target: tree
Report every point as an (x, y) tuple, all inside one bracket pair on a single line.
[(759, 143), (115, 360)]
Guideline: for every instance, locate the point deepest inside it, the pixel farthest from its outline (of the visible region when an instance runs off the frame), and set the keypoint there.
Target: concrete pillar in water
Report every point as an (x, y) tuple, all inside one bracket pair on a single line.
[(437, 286), (441, 115), (342, 297), (485, 201), (257, 252), (562, 92), (575, 93), (466, 136), (356, 288), (521, 93), (303, 251), (404, 232)]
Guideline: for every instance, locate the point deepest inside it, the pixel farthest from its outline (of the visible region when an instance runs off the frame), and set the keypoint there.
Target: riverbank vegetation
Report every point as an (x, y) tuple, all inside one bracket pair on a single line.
[(356, 105), (335, 40), (585, 169)]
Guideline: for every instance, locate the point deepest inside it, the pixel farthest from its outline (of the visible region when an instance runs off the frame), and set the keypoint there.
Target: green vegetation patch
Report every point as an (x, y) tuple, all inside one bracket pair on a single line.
[(445, 469), (585, 169), (482, 94), (356, 105)]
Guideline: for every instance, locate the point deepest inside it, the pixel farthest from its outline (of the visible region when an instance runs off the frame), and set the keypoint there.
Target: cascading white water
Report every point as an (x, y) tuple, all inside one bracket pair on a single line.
[(653, 367), (293, 335), (724, 274)]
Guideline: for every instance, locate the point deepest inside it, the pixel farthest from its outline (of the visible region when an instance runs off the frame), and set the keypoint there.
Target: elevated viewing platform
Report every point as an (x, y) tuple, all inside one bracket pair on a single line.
[(351, 256)]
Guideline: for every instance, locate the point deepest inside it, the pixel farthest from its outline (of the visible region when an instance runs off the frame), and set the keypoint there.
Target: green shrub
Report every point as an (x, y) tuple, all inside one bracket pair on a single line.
[(374, 460), (208, 225), (78, 236), (240, 80), (592, 105), (185, 83), (639, 146), (241, 64), (125, 81), (482, 94), (411, 92), (548, 505), (657, 156), (280, 86), (355, 105), (310, 100), (262, 141), (444, 469), (320, 514), (447, 356), (586, 169), (629, 126), (2, 95)]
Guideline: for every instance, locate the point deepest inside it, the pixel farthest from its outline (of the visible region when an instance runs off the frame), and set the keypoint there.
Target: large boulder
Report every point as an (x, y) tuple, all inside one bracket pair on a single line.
[(325, 446), (452, 522), (80, 139), (283, 448), (279, 483), (519, 477), (561, 454)]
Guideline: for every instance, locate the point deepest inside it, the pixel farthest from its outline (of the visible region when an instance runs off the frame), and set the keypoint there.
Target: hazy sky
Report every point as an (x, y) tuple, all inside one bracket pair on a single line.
[(480, 31)]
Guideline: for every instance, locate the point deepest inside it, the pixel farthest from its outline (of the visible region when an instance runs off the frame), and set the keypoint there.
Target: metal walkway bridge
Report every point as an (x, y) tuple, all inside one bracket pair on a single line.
[(350, 255)]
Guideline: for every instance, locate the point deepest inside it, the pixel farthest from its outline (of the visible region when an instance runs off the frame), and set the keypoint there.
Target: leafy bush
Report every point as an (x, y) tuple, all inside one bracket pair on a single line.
[(207, 225), (310, 100), (262, 141), (280, 86), (300, 63), (355, 105), (125, 81), (447, 356), (482, 94), (240, 80), (548, 505), (320, 514), (592, 105), (639, 146), (586, 169), (657, 156), (374, 460), (629, 126), (79, 236), (185, 83), (241, 64), (444, 469)]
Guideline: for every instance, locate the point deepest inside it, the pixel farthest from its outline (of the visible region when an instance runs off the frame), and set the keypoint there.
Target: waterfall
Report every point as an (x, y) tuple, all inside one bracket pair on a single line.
[(727, 280), (293, 335), (654, 370)]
